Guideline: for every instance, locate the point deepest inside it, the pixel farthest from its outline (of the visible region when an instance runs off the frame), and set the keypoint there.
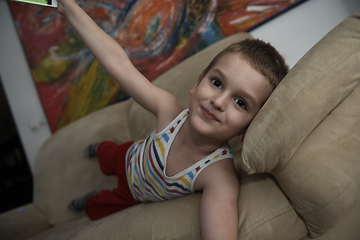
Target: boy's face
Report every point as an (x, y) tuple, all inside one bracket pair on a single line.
[(227, 98)]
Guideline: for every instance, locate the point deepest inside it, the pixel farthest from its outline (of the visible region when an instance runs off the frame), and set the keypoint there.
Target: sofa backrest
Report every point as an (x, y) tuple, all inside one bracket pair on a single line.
[(307, 133)]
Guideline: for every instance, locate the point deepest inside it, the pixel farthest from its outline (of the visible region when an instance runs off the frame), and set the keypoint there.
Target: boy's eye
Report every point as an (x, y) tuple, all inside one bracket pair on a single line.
[(216, 83), (241, 103)]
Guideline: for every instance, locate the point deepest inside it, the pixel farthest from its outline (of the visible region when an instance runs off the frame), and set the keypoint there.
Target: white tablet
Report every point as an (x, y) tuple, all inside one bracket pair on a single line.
[(48, 3)]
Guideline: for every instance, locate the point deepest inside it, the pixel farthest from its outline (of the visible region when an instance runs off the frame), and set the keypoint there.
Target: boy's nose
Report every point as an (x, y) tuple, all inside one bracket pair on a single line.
[(219, 102)]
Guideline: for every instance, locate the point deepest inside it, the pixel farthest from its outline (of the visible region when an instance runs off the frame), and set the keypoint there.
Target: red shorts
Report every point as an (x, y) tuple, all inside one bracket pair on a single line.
[(112, 162)]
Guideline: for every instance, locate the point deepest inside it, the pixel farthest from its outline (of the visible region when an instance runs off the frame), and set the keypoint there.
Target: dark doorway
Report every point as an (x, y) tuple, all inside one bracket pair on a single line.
[(16, 183)]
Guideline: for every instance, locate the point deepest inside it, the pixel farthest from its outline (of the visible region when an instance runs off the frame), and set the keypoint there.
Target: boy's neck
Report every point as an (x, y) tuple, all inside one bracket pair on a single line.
[(197, 143)]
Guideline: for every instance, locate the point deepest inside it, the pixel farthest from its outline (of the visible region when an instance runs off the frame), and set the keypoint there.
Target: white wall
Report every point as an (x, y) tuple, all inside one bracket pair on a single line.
[(20, 88), (296, 31), (292, 33)]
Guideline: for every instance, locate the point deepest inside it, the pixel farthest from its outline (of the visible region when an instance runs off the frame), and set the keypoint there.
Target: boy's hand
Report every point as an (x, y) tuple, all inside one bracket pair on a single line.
[(63, 4)]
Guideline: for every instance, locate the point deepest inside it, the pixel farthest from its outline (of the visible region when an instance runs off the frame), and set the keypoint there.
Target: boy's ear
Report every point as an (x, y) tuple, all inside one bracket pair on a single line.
[(241, 136), (196, 84)]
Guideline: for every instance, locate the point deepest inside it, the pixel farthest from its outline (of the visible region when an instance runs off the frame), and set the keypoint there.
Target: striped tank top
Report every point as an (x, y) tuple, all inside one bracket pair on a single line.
[(146, 162)]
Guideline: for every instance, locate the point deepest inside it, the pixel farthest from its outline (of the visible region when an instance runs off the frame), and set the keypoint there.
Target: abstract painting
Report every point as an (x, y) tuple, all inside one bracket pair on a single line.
[(156, 34)]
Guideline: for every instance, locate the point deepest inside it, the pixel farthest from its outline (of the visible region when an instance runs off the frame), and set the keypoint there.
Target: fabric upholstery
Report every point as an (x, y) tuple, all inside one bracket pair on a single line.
[(174, 219), (347, 227), (321, 180), (307, 134), (67, 230), (22, 222), (265, 212)]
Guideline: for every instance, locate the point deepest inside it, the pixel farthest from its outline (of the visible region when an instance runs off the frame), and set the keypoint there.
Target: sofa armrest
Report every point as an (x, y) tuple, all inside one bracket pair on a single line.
[(61, 173), (22, 222)]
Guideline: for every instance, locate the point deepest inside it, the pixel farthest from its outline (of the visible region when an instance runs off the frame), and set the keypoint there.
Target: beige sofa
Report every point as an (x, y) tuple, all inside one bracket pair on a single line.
[(302, 151)]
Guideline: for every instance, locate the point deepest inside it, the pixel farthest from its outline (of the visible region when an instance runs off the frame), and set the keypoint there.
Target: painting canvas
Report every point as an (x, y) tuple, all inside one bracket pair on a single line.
[(156, 34)]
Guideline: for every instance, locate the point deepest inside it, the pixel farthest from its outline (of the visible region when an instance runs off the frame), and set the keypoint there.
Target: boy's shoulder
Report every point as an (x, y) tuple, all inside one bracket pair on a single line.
[(217, 174), (167, 115)]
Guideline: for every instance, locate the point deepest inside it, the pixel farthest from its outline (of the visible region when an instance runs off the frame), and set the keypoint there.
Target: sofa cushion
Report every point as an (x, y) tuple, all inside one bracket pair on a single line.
[(306, 134), (322, 178), (173, 219), (347, 228), (265, 212)]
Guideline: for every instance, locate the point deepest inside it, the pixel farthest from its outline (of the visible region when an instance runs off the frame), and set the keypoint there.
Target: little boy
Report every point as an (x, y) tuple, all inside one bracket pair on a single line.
[(188, 150)]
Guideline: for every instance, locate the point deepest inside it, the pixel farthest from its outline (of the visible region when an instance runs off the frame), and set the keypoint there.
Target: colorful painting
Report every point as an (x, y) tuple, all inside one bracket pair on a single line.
[(156, 34)]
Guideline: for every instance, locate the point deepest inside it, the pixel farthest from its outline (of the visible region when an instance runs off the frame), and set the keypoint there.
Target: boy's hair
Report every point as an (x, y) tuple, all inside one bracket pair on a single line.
[(262, 56)]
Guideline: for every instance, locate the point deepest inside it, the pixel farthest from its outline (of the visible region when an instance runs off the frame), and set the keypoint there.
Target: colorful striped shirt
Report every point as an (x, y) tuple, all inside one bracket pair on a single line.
[(146, 163)]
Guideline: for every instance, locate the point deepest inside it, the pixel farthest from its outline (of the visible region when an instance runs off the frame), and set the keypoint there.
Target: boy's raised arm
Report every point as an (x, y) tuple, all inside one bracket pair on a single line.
[(113, 58)]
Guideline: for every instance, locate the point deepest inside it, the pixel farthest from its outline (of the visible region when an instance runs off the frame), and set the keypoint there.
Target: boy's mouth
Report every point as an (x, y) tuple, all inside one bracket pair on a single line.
[(209, 115)]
